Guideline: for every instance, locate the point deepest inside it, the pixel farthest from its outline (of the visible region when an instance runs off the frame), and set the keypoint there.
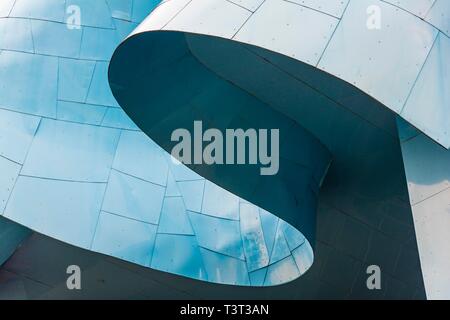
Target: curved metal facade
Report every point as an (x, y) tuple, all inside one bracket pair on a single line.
[(332, 75), (76, 168)]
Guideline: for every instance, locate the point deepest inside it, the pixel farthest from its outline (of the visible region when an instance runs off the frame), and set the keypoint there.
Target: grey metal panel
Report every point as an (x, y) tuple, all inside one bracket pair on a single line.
[(428, 105), (333, 7), (5, 7), (417, 7), (290, 36), (439, 16), (363, 57)]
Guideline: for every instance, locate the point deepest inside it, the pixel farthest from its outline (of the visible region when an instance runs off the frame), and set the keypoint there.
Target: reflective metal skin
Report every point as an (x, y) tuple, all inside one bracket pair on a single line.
[(400, 65), (76, 168), (409, 35), (427, 167)]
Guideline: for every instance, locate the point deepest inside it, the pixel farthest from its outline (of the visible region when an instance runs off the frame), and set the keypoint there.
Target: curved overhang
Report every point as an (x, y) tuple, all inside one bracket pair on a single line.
[(390, 55), (80, 171)]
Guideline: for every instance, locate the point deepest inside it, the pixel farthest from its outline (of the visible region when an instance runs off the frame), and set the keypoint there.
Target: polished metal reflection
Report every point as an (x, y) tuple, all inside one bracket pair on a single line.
[(75, 167)]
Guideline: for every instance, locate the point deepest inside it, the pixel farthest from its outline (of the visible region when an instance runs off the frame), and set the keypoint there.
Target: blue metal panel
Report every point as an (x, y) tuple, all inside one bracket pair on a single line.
[(124, 238), (207, 230), (178, 254), (15, 34), (74, 79), (282, 271), (439, 16), (87, 179), (224, 269), (67, 211), (93, 13), (85, 153), (133, 198), (9, 171), (19, 128), (134, 154), (174, 218), (192, 192), (220, 203), (45, 34), (53, 10), (80, 112), (36, 75), (428, 105)]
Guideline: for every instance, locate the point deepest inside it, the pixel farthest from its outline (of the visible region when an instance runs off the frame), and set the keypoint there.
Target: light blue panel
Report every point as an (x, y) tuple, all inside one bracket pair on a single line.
[(257, 277), (15, 34), (142, 8), (133, 198), (16, 133), (124, 28), (74, 79), (363, 56), (180, 171), (71, 151), (46, 34), (5, 7), (223, 269), (32, 83), (172, 187), (11, 237), (98, 44), (139, 156), (333, 7), (178, 254), (192, 192), (67, 211), (93, 13), (269, 223), (174, 219), (280, 247), (428, 106), (124, 238), (256, 253), (207, 230), (282, 272), (100, 92), (417, 7), (120, 9), (439, 16), (9, 172), (80, 112), (219, 202), (304, 257), (293, 237), (52, 10), (117, 118)]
